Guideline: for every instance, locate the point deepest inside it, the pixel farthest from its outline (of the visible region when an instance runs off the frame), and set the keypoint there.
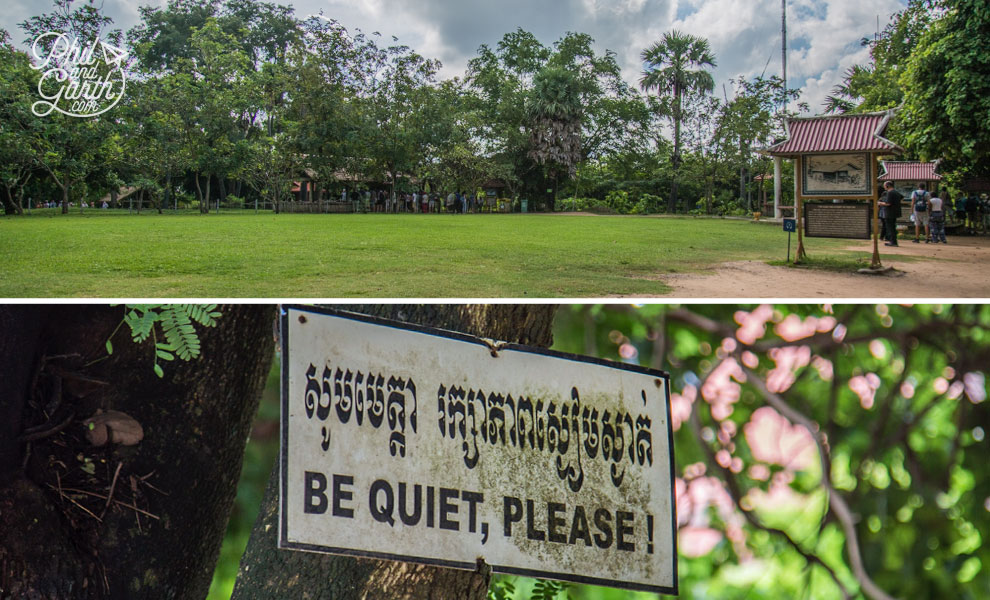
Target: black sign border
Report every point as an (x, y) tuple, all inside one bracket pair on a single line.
[(284, 543)]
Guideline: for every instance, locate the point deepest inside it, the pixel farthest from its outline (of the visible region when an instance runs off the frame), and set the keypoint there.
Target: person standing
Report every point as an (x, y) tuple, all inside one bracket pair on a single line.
[(973, 213), (961, 210), (936, 209), (891, 202), (919, 212)]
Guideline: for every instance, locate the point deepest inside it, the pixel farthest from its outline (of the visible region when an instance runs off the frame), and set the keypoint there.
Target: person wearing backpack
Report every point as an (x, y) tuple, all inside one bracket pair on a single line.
[(937, 212), (919, 212)]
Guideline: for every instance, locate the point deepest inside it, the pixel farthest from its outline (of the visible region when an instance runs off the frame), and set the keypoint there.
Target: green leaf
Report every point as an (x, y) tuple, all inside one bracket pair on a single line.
[(109, 347), (159, 371)]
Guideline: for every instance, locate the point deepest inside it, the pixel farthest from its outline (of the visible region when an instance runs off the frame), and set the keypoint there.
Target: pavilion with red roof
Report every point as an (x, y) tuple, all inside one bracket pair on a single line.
[(906, 175), (836, 161)]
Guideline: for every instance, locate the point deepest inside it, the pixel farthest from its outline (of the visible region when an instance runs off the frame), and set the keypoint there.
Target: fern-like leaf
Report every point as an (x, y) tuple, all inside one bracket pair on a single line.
[(204, 314), (179, 332), (140, 323)]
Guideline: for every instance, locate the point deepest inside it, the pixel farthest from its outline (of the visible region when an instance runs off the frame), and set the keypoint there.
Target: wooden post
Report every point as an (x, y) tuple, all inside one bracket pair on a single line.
[(799, 254), (875, 262)]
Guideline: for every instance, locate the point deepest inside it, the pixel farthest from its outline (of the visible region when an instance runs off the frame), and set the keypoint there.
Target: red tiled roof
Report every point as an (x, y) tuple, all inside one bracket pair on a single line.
[(909, 171), (842, 133)]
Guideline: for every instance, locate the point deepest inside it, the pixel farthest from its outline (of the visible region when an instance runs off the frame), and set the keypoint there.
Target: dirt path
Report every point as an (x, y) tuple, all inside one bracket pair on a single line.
[(960, 269)]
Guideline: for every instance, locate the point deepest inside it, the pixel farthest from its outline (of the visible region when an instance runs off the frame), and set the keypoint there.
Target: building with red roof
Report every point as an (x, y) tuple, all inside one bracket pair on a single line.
[(836, 160)]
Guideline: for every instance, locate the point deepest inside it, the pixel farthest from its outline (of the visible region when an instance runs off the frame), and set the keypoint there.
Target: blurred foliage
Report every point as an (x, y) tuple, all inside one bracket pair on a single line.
[(259, 459), (898, 394)]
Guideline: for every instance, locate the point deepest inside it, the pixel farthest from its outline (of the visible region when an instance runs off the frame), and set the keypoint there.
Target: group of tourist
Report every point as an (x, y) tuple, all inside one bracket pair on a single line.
[(929, 211), (381, 201)]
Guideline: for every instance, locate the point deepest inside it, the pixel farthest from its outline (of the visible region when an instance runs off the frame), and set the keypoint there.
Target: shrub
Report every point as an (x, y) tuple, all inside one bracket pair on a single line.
[(649, 204), (593, 205), (618, 201)]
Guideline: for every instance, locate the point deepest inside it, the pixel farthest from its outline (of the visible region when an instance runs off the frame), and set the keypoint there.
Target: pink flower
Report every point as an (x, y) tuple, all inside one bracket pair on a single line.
[(789, 359), (697, 541), (824, 368), (774, 440), (976, 387), (793, 328), (680, 406), (866, 388), (759, 472), (753, 325), (780, 496), (721, 389), (628, 351)]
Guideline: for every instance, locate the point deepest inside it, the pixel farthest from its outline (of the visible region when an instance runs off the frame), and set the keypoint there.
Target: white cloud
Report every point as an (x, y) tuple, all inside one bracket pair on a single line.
[(823, 34)]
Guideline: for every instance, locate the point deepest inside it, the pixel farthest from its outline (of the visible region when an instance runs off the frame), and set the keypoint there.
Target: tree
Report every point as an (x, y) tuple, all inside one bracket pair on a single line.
[(18, 126), (947, 93), (822, 451), (502, 89), (675, 67), (876, 86), (67, 147), (120, 521), (555, 114), (145, 517)]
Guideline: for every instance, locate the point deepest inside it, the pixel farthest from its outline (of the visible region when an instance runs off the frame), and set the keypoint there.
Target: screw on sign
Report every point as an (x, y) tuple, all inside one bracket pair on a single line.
[(414, 444)]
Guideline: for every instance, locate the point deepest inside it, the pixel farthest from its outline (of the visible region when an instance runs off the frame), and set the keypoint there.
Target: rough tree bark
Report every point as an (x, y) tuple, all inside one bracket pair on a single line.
[(159, 533), (268, 573)]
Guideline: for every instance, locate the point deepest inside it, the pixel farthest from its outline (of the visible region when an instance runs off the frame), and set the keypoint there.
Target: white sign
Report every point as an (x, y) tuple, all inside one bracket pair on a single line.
[(78, 79), (415, 444)]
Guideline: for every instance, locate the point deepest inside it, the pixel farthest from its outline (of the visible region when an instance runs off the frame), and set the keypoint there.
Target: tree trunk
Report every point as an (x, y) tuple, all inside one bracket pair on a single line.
[(199, 191), (672, 201), (65, 198), (204, 207), (170, 494), (269, 573), (9, 206)]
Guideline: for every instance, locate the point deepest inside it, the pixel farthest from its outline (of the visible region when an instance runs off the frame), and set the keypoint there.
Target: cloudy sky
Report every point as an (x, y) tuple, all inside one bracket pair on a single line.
[(823, 35)]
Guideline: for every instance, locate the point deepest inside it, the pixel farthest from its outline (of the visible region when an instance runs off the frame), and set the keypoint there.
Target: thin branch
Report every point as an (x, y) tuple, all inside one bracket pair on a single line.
[(48, 429), (113, 486), (735, 491), (836, 503)]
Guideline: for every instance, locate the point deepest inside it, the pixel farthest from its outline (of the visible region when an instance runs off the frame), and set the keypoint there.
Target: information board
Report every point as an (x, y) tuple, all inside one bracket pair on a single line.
[(415, 444), (834, 175), (837, 220)]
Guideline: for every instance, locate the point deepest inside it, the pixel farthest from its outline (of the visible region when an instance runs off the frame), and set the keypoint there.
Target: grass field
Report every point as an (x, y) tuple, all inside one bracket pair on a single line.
[(390, 256)]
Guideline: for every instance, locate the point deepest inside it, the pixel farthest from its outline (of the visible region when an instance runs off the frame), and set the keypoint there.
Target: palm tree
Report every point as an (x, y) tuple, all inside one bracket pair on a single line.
[(555, 117), (675, 66)]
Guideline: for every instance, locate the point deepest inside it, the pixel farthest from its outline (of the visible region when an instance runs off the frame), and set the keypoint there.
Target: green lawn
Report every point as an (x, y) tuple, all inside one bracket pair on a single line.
[(390, 256)]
